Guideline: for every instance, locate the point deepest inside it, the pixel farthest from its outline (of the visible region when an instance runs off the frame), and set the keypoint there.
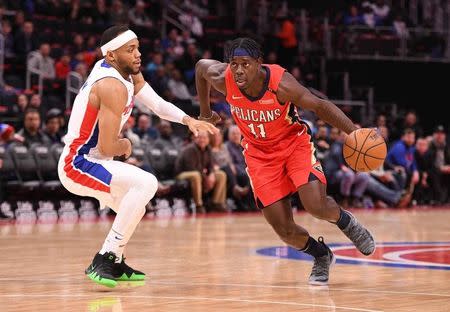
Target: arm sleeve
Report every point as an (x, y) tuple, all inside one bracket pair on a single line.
[(165, 110)]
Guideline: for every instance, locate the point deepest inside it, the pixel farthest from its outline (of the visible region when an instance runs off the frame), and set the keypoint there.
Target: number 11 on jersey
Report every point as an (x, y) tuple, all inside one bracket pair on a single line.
[(262, 131)]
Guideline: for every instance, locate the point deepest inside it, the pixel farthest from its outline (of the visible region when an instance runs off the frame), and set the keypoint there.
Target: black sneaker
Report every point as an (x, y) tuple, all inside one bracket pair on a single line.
[(360, 236), (122, 272), (101, 269), (321, 268)]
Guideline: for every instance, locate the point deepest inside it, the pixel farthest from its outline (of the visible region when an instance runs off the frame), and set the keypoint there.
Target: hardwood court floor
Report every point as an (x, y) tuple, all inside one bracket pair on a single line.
[(211, 264)]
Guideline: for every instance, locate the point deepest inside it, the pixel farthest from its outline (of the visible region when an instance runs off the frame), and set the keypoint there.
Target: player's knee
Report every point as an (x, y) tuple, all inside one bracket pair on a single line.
[(146, 183)]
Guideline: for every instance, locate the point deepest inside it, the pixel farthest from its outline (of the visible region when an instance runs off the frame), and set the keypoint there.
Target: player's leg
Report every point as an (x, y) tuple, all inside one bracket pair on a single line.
[(307, 175), (279, 216), (316, 202), (131, 189), (195, 182)]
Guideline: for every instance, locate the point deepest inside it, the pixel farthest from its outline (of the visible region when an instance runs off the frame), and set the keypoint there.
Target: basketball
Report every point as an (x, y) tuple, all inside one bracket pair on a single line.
[(364, 150)]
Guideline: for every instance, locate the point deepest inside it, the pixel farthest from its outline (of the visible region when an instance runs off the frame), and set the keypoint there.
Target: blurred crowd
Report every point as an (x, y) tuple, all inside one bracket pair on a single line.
[(208, 170)]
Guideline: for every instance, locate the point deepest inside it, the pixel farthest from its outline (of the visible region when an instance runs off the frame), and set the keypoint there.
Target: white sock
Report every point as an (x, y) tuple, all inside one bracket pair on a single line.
[(130, 212)]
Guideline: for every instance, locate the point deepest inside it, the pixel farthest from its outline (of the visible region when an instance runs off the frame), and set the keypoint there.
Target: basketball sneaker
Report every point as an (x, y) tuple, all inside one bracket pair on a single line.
[(122, 272), (321, 267), (101, 269), (360, 236)]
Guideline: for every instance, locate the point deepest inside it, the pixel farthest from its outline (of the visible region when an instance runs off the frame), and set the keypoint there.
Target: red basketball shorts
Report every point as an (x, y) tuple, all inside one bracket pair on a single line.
[(280, 172)]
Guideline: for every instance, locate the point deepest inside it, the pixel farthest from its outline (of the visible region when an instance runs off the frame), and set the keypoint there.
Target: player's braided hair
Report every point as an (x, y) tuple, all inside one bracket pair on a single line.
[(251, 46), (112, 32)]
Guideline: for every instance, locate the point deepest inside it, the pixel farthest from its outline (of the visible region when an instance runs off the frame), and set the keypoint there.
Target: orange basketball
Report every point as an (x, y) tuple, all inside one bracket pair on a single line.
[(364, 150)]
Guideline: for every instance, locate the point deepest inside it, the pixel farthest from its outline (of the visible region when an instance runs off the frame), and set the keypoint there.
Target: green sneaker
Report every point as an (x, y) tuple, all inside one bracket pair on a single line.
[(101, 269), (122, 272)]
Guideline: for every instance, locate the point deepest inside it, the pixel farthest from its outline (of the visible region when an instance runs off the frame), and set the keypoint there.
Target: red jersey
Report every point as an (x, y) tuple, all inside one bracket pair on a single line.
[(265, 123)]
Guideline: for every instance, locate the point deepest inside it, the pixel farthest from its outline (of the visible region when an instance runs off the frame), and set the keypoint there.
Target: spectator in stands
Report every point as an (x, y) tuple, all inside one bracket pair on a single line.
[(62, 67), (157, 61), (180, 92), (77, 44), (381, 11), (352, 17), (100, 16), (36, 102), (368, 17), (8, 36), (22, 102), (43, 62), (188, 61), (160, 80), (400, 27), (401, 158), (297, 73), (288, 41), (144, 129), (81, 69), (166, 136), (118, 13), (26, 40), (31, 130), (52, 125), (237, 186), (234, 147), (409, 121), (322, 141), (351, 184), (195, 164), (272, 58), (422, 191), (192, 22), (440, 170), (138, 17)]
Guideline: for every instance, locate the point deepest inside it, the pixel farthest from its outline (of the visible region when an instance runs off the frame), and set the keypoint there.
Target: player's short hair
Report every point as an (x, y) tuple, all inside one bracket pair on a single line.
[(252, 47), (112, 32)]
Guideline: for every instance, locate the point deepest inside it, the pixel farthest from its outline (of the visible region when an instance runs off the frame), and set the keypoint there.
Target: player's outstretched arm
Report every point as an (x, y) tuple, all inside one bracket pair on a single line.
[(291, 90), (166, 110), (112, 97), (209, 73)]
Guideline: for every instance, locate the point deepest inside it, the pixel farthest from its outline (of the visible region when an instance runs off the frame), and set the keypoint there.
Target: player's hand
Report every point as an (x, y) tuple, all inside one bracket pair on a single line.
[(214, 118), (198, 125)]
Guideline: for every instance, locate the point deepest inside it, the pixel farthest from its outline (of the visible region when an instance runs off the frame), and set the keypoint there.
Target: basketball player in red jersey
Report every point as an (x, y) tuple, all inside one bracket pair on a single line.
[(278, 146)]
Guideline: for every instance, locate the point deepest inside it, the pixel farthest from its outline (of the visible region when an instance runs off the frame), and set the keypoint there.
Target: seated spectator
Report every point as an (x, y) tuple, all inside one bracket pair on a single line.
[(368, 17), (351, 184), (411, 121), (234, 147), (43, 62), (144, 129), (423, 192), (26, 40), (381, 11), (8, 36), (180, 92), (31, 131), (237, 186), (440, 170), (62, 67), (52, 125), (322, 143), (22, 102), (352, 17), (118, 13), (195, 164), (138, 17), (157, 61), (400, 28), (400, 157), (166, 136), (192, 22)]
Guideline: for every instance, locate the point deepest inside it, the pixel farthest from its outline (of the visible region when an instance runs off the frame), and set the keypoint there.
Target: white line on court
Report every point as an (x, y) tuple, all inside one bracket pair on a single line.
[(191, 299)]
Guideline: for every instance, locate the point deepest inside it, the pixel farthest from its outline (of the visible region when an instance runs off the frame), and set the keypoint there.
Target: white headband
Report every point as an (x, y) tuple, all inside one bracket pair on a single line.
[(117, 42)]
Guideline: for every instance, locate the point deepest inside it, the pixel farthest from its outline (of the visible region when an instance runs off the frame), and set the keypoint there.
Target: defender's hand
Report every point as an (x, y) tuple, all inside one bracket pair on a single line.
[(214, 118), (198, 125)]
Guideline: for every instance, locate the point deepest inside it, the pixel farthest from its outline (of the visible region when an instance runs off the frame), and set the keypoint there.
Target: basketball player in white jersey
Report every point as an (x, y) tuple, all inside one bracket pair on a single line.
[(86, 168)]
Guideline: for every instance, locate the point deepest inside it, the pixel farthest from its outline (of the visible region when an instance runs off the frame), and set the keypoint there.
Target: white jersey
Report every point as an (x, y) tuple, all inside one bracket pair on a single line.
[(82, 134)]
